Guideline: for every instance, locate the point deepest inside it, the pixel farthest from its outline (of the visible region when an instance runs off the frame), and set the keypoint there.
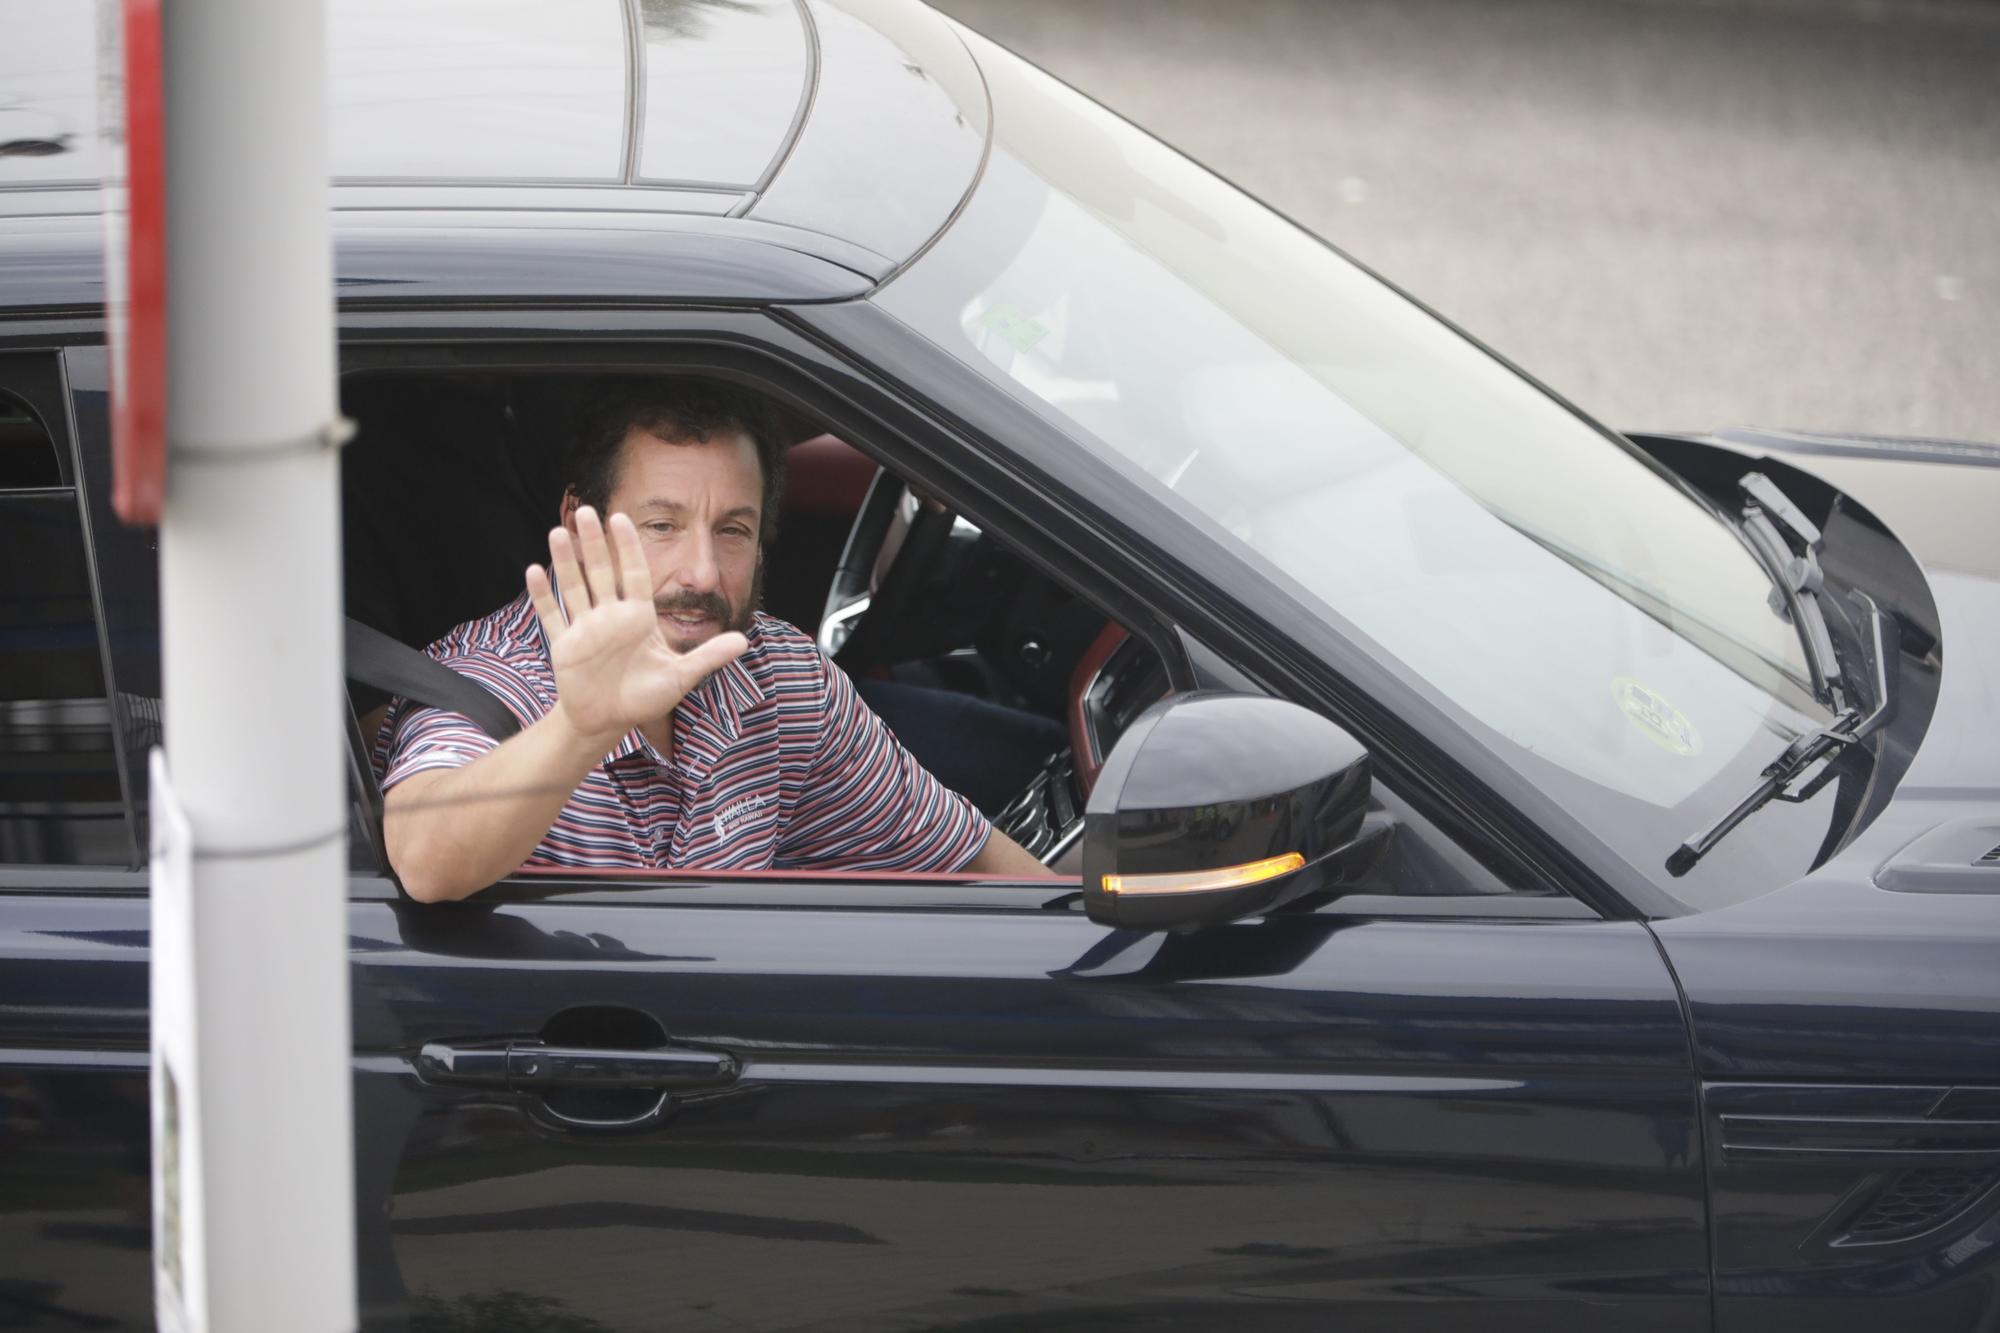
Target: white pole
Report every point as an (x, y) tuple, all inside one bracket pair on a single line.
[(250, 628)]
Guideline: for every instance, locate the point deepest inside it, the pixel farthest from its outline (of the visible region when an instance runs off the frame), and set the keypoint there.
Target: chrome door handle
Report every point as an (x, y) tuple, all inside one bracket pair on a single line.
[(533, 1064), (530, 1065)]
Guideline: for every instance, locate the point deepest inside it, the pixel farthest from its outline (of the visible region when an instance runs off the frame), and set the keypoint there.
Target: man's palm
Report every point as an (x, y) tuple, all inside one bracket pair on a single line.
[(614, 668)]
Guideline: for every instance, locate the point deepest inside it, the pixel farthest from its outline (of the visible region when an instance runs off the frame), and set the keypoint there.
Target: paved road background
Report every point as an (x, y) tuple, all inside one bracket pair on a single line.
[(1679, 214)]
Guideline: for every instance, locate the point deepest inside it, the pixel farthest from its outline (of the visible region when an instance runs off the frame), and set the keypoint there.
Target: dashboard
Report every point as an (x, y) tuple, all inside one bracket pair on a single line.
[(1117, 678)]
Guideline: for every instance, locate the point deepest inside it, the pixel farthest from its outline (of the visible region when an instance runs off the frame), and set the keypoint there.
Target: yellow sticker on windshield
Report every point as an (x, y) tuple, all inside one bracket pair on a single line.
[(1664, 724)]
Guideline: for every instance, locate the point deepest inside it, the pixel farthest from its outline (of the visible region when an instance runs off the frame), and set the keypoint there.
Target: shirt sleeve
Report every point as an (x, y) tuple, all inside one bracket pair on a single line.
[(418, 737), (869, 805)]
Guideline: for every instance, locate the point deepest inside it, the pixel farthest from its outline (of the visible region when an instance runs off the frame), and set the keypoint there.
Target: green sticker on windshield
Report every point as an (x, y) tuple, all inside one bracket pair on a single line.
[(1664, 724), (1022, 331)]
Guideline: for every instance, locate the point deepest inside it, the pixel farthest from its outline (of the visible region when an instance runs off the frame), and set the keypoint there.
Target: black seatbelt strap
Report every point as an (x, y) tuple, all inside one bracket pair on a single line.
[(374, 658)]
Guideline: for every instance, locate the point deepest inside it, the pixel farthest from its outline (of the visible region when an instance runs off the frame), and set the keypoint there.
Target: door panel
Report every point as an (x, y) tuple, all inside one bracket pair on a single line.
[(1015, 1118), (75, 1178), (1009, 1119)]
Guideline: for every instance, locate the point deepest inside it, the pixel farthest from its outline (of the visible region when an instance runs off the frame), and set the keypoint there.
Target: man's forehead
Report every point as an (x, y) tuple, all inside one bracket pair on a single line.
[(649, 455), (670, 506)]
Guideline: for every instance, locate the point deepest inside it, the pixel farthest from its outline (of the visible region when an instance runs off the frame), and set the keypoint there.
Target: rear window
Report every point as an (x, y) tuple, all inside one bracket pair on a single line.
[(61, 800)]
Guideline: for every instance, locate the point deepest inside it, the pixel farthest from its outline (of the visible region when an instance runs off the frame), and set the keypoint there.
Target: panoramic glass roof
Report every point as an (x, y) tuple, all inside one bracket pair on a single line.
[(689, 92), (502, 89), (725, 80), (48, 92)]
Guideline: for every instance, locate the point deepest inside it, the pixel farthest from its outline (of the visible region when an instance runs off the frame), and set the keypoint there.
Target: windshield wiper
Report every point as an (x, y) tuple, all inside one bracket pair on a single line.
[(1795, 595), (1796, 579)]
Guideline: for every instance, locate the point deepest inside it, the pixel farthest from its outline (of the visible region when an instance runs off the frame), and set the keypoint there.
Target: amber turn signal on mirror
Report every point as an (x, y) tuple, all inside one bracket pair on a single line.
[(1216, 807), (1206, 881)]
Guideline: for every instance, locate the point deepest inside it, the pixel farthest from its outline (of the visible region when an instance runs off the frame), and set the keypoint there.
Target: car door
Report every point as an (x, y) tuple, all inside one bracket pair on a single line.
[(797, 1101), (936, 1103)]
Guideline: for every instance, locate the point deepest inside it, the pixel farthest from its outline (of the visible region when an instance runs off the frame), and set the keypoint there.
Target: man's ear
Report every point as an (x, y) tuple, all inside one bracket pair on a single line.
[(568, 511)]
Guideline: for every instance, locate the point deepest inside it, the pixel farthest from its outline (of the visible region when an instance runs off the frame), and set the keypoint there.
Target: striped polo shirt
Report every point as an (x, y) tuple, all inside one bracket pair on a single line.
[(776, 764)]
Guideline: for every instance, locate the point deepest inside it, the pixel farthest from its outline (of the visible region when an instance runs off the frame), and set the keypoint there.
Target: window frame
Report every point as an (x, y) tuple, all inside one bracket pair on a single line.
[(34, 372), (763, 351)]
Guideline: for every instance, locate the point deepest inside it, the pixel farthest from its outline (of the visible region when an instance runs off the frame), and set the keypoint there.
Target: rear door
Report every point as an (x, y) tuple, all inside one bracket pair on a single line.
[(945, 1104)]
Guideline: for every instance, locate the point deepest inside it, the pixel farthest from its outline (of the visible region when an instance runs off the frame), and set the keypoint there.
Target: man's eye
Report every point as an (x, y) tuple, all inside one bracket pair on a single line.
[(660, 527), (736, 532)]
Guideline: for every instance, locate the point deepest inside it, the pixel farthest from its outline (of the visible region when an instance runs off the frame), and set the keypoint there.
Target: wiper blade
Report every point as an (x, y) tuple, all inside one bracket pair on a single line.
[(1796, 578), (1775, 783)]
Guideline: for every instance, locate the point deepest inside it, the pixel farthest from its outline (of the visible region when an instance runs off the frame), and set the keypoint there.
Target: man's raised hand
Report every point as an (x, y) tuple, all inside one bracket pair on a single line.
[(614, 668)]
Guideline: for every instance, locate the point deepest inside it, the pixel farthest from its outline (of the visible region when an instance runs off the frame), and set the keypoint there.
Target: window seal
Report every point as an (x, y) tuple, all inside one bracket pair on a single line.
[(139, 855)]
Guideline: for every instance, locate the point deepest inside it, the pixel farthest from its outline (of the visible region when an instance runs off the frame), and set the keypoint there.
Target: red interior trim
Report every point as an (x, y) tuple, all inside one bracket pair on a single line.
[(783, 876), (826, 475), (1088, 761)]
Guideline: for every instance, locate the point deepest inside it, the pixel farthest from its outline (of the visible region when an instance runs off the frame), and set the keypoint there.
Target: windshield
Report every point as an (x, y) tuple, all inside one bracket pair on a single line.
[(1449, 515)]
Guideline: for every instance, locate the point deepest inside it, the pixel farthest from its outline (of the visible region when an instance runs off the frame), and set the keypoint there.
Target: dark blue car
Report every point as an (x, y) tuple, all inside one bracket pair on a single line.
[(1519, 876)]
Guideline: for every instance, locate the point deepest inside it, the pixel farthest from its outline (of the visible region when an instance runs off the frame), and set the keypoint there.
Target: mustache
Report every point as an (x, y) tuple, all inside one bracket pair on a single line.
[(706, 603)]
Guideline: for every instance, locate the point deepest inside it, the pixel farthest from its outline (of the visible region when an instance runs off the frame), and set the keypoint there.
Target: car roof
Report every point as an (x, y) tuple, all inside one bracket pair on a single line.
[(704, 149)]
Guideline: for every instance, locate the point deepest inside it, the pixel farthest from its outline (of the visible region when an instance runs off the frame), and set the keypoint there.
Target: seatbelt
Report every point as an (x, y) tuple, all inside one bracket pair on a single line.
[(374, 658)]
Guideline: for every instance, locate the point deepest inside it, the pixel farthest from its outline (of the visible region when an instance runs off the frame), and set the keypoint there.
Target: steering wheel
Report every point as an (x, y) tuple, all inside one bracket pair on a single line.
[(893, 547)]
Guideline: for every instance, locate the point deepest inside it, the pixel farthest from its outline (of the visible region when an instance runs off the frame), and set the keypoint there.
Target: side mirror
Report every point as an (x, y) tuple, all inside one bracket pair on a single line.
[(1213, 807)]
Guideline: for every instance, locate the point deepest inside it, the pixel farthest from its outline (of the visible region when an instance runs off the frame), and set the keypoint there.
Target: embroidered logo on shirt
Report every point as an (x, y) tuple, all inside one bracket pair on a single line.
[(733, 813)]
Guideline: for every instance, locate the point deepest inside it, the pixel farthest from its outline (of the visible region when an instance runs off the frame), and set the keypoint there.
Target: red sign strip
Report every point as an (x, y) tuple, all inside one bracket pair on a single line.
[(139, 416)]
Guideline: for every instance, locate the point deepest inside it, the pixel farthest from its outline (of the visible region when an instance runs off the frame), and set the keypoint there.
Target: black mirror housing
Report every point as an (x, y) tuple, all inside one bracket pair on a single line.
[(1213, 807)]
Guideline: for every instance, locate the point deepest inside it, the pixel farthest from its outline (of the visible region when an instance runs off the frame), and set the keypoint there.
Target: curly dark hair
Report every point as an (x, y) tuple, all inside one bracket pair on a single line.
[(680, 410)]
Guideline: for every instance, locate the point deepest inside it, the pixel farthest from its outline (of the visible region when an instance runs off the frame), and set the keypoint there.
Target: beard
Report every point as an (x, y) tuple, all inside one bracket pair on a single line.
[(717, 609)]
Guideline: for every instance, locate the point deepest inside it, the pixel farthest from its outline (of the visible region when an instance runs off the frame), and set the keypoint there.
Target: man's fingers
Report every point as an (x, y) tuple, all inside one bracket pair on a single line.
[(597, 569), (634, 580), (712, 655), (569, 578), (546, 606)]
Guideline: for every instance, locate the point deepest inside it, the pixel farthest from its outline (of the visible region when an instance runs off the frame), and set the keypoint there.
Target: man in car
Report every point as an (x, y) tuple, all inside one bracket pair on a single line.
[(667, 722)]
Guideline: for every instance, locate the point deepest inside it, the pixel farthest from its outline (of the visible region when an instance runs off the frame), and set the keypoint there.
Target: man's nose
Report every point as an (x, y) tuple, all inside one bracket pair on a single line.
[(698, 571)]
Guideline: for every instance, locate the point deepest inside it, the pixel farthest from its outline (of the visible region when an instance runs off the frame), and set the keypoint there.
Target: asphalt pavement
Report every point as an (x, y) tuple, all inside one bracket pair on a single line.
[(1678, 213)]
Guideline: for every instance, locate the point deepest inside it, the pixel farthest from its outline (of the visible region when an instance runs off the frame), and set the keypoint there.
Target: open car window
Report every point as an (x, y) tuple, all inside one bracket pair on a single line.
[(454, 479)]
